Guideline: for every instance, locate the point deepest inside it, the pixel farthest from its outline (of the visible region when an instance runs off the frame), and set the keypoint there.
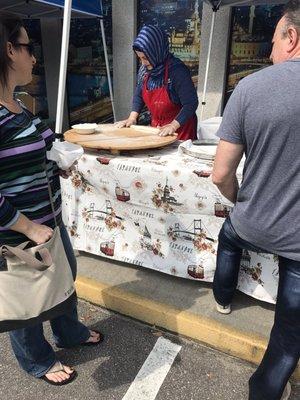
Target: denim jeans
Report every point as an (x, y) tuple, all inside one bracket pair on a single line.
[(283, 351), (33, 352)]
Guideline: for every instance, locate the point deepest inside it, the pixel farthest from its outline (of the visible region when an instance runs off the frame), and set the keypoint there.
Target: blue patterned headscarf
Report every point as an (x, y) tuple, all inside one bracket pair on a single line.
[(154, 43)]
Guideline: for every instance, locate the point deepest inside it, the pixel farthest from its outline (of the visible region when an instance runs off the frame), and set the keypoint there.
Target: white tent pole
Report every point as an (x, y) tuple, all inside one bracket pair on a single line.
[(203, 103), (13, 5), (107, 68), (63, 66)]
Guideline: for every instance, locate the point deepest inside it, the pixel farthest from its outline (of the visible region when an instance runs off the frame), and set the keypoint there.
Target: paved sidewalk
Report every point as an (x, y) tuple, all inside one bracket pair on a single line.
[(178, 305), (107, 371)]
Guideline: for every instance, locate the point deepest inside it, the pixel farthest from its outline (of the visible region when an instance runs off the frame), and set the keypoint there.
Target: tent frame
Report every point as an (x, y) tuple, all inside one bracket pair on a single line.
[(216, 4), (64, 62), (215, 8), (67, 7)]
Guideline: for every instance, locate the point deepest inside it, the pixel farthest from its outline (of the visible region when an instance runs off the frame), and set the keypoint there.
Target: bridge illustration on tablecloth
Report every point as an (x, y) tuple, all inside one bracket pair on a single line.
[(103, 212), (195, 229)]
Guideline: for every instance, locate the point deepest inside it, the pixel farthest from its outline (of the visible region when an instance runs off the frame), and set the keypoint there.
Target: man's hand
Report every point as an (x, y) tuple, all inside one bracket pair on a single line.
[(226, 162), (169, 129)]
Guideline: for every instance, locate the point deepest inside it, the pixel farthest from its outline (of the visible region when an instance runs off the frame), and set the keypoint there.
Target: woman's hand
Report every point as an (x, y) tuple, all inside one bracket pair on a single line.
[(169, 129), (38, 233), (126, 123), (131, 120)]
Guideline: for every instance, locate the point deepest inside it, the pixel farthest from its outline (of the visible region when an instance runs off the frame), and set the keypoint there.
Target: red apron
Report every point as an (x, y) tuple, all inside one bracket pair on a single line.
[(163, 110)]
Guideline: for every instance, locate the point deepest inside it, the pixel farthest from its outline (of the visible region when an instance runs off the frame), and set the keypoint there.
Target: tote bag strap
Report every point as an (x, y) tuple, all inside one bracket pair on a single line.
[(43, 252), (50, 196), (4, 249), (28, 258)]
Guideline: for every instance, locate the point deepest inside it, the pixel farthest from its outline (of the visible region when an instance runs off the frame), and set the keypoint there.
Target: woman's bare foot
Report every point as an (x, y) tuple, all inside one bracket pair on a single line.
[(59, 373)]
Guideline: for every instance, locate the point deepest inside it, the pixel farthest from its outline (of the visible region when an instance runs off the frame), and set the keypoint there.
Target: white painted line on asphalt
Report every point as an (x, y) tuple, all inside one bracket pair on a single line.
[(153, 372)]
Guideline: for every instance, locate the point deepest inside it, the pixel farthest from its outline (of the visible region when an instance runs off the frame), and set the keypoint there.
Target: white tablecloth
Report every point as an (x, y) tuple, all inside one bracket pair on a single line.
[(156, 209)]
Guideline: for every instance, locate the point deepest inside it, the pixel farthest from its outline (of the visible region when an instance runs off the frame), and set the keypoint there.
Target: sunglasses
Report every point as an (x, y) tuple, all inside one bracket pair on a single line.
[(29, 46)]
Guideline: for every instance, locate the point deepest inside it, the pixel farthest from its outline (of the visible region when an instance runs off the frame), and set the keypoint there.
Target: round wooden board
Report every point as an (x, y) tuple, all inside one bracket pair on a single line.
[(108, 137)]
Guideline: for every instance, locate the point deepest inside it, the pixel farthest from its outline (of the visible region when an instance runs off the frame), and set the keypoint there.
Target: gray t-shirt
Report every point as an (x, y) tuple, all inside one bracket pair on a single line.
[(263, 114)]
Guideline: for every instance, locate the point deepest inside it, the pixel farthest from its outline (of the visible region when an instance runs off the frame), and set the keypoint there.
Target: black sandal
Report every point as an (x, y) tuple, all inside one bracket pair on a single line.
[(101, 338), (58, 367)]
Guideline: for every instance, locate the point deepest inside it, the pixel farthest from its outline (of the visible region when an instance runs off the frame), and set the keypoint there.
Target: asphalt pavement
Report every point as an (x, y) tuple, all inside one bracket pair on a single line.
[(109, 371)]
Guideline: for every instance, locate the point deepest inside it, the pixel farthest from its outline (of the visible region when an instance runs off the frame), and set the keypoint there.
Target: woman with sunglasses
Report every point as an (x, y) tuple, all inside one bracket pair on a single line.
[(25, 209), (164, 85)]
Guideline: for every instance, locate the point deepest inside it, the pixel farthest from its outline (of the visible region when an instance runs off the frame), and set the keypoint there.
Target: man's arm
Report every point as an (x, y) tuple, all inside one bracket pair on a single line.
[(226, 162)]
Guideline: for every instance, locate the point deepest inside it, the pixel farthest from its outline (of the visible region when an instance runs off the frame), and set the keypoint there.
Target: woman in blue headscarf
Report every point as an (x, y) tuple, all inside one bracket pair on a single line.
[(164, 86)]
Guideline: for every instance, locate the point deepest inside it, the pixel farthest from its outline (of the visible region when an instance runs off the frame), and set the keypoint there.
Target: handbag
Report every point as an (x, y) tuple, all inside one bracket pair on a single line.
[(38, 284)]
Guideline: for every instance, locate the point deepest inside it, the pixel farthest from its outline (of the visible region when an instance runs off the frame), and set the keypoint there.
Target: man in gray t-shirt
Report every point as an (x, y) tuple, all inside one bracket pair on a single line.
[(263, 117), (262, 120)]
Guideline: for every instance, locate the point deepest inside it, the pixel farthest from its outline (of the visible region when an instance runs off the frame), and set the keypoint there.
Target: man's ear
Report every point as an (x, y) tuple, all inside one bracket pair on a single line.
[(293, 38)]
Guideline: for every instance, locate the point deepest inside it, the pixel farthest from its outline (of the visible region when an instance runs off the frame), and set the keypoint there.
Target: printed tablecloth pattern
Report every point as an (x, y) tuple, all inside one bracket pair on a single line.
[(159, 210)]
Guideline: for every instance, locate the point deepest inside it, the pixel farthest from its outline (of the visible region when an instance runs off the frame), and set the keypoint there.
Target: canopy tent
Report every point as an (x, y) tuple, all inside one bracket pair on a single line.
[(216, 4), (52, 8), (62, 9), (222, 3)]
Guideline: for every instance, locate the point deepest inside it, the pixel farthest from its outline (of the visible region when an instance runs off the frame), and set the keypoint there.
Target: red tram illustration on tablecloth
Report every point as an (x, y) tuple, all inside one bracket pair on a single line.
[(222, 210), (103, 160), (108, 248), (202, 173), (122, 194), (196, 271)]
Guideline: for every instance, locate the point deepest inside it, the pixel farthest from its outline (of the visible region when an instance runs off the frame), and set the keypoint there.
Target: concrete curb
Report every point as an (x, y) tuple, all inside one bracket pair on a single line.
[(237, 343)]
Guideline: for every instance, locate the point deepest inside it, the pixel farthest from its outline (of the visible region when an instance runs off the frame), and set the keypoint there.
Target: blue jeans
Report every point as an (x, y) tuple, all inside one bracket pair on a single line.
[(283, 351), (33, 352)]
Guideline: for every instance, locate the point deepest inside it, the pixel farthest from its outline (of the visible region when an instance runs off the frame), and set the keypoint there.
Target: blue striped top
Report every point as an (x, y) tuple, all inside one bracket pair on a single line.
[(24, 140)]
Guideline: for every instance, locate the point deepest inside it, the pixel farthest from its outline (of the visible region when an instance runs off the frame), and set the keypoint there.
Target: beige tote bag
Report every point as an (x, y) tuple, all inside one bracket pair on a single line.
[(38, 284)]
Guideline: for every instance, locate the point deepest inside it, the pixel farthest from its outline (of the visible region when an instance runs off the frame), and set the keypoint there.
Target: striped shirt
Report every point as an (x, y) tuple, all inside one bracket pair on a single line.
[(24, 140)]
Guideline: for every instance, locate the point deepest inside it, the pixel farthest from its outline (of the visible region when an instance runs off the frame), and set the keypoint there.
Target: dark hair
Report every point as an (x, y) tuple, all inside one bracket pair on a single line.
[(10, 30), (291, 13)]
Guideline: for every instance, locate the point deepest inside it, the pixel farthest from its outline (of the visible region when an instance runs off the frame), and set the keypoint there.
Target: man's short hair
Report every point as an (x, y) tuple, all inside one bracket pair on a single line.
[(291, 13)]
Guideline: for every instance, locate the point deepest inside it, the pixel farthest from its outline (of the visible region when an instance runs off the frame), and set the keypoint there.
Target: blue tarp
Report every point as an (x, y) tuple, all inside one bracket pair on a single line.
[(90, 7)]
